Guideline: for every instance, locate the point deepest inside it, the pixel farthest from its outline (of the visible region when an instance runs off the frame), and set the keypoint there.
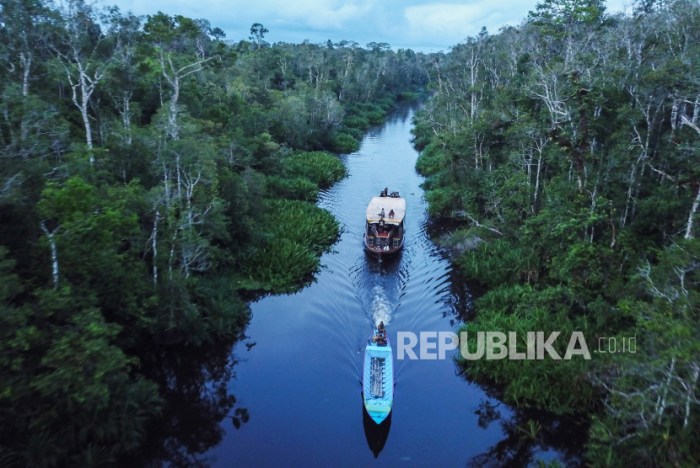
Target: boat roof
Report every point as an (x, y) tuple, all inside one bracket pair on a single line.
[(376, 204)]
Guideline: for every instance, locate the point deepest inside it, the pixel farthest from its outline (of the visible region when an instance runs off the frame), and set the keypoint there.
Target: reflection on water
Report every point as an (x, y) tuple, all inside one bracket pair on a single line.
[(533, 436), (194, 386), (376, 434)]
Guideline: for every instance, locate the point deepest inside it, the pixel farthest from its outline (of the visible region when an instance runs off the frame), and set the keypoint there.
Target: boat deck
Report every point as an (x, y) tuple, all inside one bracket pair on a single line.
[(377, 377)]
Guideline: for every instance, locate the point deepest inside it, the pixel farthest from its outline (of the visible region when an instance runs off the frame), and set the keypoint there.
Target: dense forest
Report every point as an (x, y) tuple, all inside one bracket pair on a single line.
[(154, 176), (562, 156)]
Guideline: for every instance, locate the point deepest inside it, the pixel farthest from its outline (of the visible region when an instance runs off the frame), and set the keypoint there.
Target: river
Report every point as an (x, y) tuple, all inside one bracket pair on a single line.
[(298, 371)]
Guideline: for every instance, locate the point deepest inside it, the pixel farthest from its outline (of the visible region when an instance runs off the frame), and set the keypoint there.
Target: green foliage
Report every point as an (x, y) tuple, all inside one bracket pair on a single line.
[(294, 188), (431, 160), (499, 262), (323, 169), (560, 386), (294, 234), (75, 391), (197, 184), (566, 13), (345, 143), (565, 147), (650, 413)]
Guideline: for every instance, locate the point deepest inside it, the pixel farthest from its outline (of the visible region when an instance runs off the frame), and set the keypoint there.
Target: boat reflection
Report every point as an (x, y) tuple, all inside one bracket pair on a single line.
[(376, 434)]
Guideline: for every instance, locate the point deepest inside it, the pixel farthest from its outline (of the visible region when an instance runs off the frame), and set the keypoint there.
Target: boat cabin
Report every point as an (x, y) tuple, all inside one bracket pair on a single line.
[(384, 226)]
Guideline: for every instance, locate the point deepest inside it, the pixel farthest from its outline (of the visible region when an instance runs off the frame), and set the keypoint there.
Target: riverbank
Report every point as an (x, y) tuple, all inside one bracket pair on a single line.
[(563, 221)]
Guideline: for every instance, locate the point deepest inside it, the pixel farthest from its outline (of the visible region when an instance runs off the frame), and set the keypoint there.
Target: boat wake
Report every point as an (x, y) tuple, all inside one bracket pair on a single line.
[(381, 306)]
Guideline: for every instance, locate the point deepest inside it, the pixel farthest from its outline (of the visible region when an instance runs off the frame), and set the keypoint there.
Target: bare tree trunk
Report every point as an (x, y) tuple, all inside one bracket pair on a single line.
[(644, 145), (473, 64), (690, 397), (540, 144), (661, 401), (83, 106), (630, 189), (696, 202), (173, 77), (348, 67), (54, 253), (26, 61), (125, 111), (537, 182), (154, 247), (171, 257), (87, 86), (594, 205), (693, 210)]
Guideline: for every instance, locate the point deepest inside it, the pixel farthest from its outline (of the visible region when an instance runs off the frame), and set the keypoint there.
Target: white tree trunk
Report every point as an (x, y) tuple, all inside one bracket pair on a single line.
[(87, 85), (50, 235), (696, 202), (691, 216), (126, 116), (26, 61), (661, 401), (154, 247), (690, 397)]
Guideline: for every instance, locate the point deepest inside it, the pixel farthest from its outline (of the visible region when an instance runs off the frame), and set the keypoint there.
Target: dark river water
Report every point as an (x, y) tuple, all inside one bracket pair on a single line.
[(298, 371)]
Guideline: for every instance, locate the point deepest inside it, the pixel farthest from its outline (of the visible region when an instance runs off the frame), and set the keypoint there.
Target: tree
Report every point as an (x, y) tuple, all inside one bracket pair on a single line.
[(85, 54), (257, 34), (24, 35), (567, 13)]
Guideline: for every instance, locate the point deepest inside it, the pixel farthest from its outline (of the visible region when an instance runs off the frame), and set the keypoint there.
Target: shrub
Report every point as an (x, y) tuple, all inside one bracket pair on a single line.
[(294, 234), (323, 169), (294, 188)]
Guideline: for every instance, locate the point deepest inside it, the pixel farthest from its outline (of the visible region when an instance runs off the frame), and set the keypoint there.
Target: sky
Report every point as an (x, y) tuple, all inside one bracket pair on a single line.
[(421, 25)]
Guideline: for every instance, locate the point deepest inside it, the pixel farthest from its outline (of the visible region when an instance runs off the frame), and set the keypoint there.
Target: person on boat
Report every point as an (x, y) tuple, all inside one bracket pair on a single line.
[(385, 192), (380, 336), (391, 214), (375, 233)]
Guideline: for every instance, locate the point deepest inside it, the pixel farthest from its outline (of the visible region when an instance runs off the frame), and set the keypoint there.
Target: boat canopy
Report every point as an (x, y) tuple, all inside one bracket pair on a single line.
[(375, 206)]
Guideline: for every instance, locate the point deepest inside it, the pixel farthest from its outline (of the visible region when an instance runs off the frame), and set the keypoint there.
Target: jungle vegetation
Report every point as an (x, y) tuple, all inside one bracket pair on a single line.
[(564, 155), (153, 175)]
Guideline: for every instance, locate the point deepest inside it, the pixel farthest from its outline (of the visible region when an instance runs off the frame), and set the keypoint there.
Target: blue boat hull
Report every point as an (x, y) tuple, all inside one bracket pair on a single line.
[(378, 381)]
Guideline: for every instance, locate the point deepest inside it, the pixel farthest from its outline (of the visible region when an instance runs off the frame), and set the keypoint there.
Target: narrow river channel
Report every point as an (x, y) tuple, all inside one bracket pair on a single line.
[(298, 371)]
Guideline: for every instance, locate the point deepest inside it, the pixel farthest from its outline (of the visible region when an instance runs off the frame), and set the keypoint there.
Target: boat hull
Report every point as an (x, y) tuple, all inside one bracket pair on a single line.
[(379, 250), (378, 381)]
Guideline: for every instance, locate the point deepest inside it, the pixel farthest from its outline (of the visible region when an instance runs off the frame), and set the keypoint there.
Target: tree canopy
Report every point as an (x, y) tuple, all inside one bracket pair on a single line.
[(563, 153), (138, 154)]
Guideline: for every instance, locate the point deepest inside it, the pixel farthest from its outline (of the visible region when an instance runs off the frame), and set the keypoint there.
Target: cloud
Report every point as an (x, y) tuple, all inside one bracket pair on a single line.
[(419, 24), (454, 22), (323, 14)]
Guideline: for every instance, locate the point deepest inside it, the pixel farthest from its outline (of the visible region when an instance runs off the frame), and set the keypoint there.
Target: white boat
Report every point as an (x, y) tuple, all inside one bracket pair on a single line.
[(384, 223)]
